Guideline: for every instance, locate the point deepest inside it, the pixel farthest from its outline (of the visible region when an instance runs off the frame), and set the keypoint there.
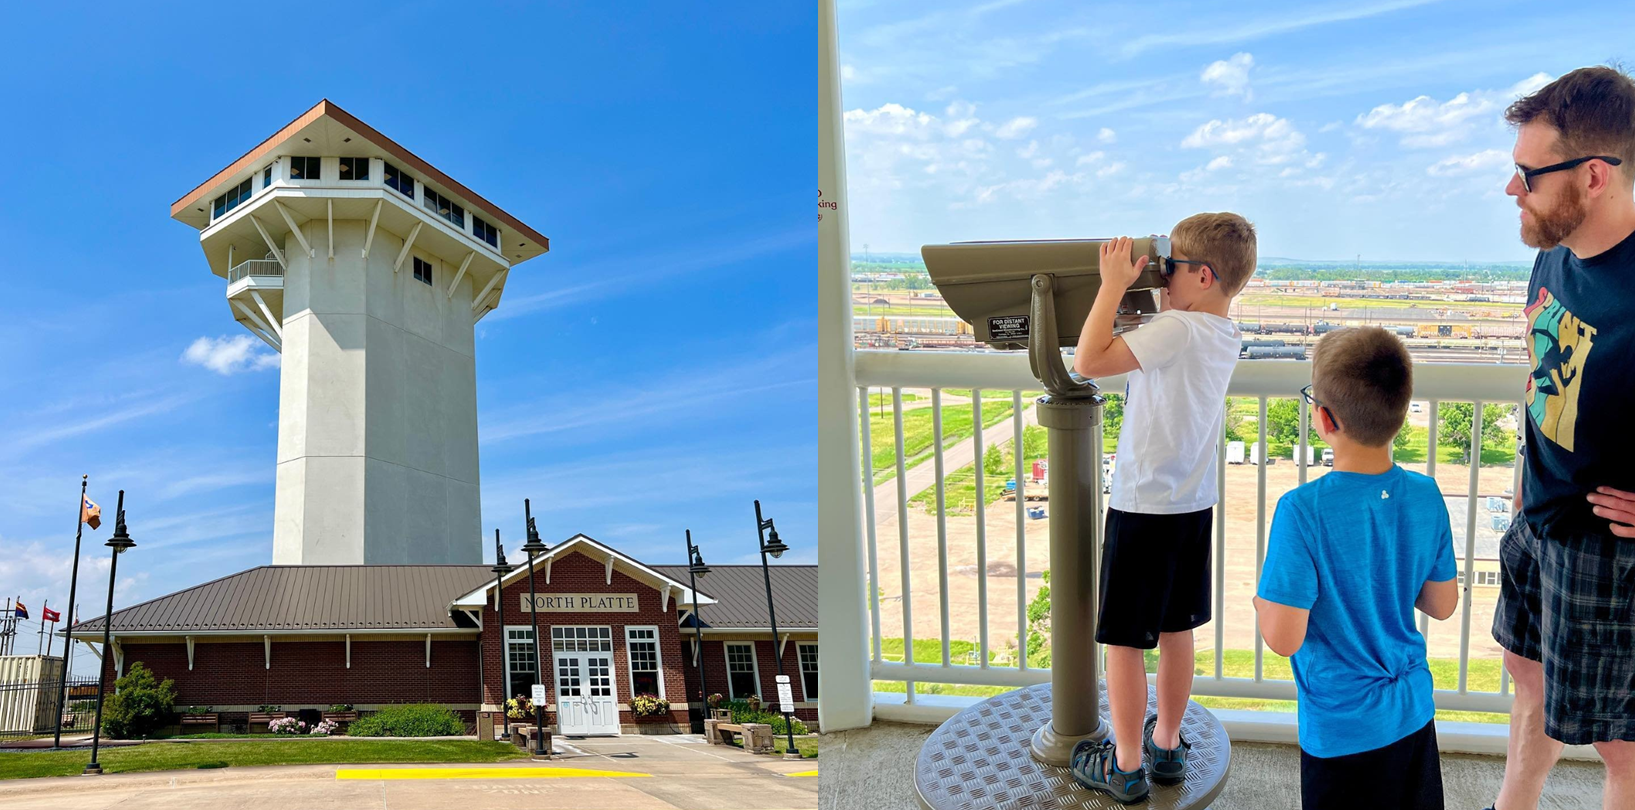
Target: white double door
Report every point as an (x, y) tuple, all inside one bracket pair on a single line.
[(585, 703)]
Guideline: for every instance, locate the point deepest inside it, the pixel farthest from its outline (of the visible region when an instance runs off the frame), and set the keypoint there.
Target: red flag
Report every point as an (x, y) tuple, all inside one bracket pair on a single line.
[(90, 513), (51, 615)]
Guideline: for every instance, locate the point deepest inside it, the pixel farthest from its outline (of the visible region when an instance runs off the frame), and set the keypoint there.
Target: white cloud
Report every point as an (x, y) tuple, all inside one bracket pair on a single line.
[(1106, 135), (1016, 127), (1110, 169), (1093, 157), (1222, 162), (1485, 160), (229, 355), (1029, 151), (1262, 137), (1230, 77), (1423, 122)]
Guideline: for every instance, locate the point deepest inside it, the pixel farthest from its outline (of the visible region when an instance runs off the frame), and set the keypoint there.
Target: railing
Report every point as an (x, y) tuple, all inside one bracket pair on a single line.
[(26, 707), (1263, 381), (255, 267)]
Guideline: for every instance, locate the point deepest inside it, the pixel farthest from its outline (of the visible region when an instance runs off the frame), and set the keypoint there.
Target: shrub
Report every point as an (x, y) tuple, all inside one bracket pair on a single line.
[(287, 725), (519, 708), (139, 705), (410, 720), (340, 707), (198, 710), (325, 728), (742, 713), (649, 706), (714, 700)]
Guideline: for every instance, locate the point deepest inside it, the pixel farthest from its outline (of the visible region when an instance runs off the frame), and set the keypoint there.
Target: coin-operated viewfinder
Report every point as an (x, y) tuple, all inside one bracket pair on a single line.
[(1037, 294)]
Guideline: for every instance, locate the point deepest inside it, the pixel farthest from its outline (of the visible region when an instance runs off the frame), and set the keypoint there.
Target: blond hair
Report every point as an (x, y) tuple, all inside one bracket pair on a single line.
[(1225, 241)]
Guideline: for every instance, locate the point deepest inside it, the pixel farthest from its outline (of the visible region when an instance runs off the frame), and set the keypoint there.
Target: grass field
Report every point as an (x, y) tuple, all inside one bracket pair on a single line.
[(956, 427), (807, 746), (1483, 676), (192, 756)]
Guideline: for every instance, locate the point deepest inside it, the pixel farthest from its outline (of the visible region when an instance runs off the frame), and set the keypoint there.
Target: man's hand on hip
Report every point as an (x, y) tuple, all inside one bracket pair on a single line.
[(1617, 506)]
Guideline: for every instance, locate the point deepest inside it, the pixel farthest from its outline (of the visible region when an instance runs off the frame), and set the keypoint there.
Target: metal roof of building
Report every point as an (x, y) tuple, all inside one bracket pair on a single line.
[(307, 597), (742, 594), (350, 598)]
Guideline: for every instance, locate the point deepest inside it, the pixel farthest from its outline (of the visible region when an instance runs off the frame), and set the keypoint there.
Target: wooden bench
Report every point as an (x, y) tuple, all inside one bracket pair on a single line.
[(757, 737), (523, 736), (212, 720)]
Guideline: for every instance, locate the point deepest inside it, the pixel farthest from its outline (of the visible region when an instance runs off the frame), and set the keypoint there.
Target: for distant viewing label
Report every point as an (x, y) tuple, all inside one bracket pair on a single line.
[(1008, 327)]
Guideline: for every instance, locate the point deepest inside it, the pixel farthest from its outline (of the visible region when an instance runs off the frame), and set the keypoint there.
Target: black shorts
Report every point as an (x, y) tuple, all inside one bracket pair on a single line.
[(1569, 602), (1154, 576), (1406, 774)]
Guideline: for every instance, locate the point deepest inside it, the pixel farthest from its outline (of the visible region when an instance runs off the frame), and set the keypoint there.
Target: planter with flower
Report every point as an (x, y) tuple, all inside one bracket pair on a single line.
[(646, 706), (265, 715), (204, 716), (341, 713), (716, 712), (754, 702)]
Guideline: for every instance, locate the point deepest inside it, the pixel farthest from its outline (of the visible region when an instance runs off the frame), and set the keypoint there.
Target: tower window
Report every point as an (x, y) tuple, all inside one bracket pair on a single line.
[(231, 199), (354, 168), (266, 176), (484, 231), (395, 178), (422, 270), (305, 168), (445, 208)]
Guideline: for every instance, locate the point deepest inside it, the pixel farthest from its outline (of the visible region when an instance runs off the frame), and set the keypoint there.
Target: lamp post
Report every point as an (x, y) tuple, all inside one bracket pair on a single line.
[(696, 568), (776, 548), (531, 548), (119, 542), (500, 569)]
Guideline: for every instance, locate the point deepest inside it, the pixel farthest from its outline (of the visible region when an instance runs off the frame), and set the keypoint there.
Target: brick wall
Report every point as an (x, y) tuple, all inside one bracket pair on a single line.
[(577, 573), (308, 674), (715, 670)]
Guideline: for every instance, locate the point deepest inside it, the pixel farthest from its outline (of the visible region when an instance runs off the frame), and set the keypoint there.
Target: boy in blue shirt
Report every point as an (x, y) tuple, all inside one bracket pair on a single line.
[(1349, 558)]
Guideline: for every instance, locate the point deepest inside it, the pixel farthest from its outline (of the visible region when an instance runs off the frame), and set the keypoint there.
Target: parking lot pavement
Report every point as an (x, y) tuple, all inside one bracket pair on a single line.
[(634, 773)]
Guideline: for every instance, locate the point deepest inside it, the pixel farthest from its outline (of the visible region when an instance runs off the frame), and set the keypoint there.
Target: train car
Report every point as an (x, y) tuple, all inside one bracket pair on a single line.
[(1275, 353), (1443, 330), (1401, 331), (1324, 327)]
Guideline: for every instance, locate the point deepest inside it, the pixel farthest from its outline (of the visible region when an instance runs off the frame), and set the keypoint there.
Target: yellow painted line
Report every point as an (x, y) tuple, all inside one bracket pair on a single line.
[(477, 773), (802, 773)]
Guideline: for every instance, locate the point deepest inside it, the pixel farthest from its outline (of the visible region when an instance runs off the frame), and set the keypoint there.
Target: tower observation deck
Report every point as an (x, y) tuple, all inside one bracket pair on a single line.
[(367, 269)]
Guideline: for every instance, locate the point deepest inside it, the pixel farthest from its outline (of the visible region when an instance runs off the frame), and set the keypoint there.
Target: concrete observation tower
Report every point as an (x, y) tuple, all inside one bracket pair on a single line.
[(366, 268)]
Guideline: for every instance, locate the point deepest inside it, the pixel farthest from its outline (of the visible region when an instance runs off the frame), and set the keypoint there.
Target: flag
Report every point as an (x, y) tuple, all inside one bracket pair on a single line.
[(21, 611), (90, 513), (51, 615)]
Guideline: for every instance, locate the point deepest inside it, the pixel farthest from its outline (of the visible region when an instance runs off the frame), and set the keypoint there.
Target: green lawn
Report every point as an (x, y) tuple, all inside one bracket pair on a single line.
[(1483, 677), (956, 427), (882, 402), (190, 756), (988, 393)]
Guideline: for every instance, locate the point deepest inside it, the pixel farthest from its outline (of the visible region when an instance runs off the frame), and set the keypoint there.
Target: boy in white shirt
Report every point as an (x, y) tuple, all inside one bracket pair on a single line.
[(1155, 559)]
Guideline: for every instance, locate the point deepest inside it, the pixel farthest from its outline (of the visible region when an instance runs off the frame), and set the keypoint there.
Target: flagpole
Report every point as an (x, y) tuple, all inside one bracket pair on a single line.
[(39, 641), (73, 585)]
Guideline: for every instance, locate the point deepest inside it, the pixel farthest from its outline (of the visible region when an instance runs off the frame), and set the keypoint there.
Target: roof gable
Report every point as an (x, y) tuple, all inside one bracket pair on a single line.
[(596, 550)]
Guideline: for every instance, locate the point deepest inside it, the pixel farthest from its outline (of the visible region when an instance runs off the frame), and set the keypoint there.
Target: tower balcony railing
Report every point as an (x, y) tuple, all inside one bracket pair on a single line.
[(955, 534), (255, 267)]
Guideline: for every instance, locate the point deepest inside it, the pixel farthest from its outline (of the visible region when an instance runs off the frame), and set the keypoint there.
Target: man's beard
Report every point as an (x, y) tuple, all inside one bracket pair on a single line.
[(1546, 229)]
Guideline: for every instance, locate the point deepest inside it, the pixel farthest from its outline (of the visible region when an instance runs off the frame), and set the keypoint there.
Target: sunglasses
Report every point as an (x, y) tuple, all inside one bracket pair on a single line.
[(1527, 174), (1167, 267), (1305, 393)]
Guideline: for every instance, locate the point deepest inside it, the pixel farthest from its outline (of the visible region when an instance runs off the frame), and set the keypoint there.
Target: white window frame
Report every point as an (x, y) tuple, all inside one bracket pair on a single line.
[(607, 627), (755, 666), (506, 654), (801, 668), (629, 660)]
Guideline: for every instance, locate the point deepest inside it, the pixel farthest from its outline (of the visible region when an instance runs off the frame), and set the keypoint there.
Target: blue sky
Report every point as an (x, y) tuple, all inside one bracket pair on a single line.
[(1370, 128), (656, 371)]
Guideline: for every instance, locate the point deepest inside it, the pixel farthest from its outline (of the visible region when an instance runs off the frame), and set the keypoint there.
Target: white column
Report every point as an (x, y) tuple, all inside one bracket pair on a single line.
[(848, 698)]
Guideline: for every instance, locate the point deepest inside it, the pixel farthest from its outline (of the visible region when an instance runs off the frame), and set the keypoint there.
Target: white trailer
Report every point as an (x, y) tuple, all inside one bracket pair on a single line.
[(1234, 452)]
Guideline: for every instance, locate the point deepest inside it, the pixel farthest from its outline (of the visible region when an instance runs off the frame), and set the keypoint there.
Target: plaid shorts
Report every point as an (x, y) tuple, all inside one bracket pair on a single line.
[(1570, 603)]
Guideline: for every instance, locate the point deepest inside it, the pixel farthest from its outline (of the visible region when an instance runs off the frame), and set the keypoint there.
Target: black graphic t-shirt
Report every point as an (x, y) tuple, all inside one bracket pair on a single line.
[(1580, 399)]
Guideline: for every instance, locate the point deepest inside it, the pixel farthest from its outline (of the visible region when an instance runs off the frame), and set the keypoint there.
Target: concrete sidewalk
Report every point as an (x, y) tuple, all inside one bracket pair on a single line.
[(639, 773)]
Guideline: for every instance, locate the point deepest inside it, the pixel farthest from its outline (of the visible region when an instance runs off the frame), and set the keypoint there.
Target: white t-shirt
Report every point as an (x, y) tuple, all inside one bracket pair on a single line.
[(1173, 411)]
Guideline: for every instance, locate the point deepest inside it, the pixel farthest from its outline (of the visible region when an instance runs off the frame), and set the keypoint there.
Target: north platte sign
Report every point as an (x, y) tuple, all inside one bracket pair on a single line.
[(580, 603)]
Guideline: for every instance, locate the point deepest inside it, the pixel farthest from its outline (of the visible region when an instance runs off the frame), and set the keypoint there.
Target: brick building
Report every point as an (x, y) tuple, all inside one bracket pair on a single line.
[(610, 627)]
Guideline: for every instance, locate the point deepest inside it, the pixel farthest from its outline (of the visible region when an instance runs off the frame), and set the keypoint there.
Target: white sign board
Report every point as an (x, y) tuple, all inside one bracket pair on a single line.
[(539, 694), (580, 603), (786, 695)]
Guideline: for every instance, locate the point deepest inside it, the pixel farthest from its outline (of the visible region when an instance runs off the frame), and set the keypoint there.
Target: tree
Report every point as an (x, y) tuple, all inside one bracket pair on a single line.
[(1453, 427), (1400, 441), (1283, 424), (1112, 414), (139, 705), (993, 461), (1039, 626)]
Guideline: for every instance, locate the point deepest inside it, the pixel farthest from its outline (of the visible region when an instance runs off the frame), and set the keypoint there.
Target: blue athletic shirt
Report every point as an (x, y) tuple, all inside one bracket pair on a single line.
[(1355, 549)]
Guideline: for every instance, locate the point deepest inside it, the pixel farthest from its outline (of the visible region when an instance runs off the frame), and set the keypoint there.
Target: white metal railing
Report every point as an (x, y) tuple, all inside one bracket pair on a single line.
[(255, 267), (1261, 379)]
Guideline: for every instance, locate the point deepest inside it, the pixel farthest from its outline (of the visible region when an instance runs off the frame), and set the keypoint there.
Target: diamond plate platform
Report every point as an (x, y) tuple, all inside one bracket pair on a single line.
[(979, 760)]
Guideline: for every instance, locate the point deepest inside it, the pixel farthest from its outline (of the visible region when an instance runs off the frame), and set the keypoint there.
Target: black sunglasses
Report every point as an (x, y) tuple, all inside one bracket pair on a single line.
[(1169, 268), (1305, 393), (1527, 174)]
